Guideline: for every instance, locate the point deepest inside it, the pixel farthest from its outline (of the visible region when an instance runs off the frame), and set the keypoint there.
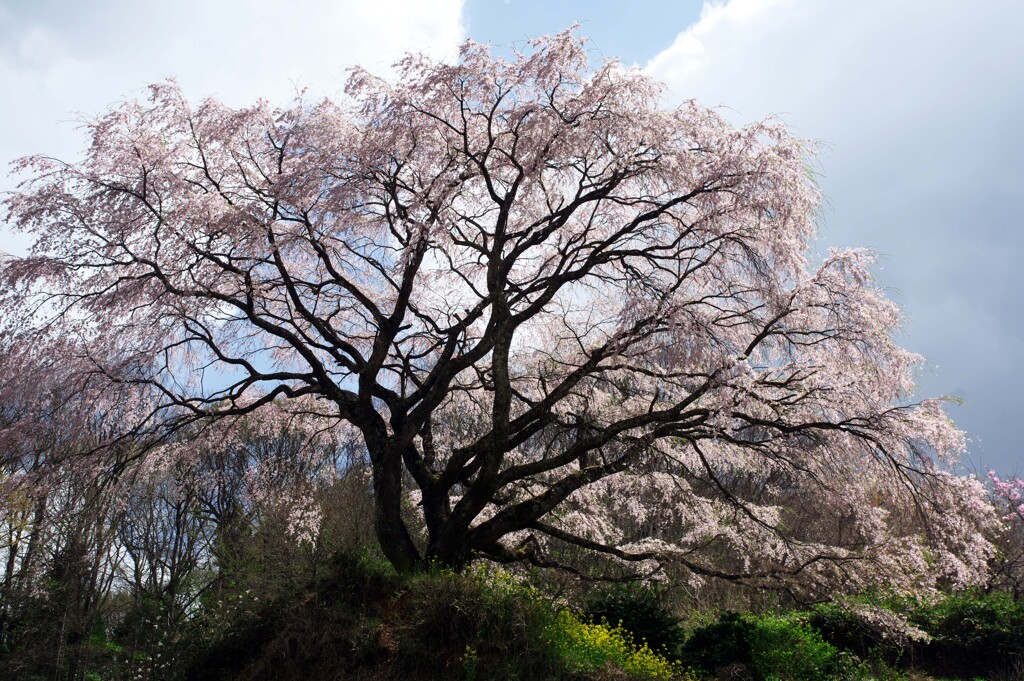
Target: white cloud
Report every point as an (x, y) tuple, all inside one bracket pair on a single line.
[(836, 67), (920, 105), (59, 58), (690, 55)]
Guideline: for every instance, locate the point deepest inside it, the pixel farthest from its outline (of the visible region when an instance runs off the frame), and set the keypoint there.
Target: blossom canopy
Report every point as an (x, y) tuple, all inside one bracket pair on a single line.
[(561, 319)]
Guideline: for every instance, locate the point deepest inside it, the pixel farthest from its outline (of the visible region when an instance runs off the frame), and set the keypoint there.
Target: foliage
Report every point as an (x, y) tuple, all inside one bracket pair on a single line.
[(975, 634), (785, 647), (502, 619), (640, 609), (327, 626), (767, 647), (511, 630), (482, 624), (719, 643), (595, 646), (964, 634), (357, 617), (873, 627)]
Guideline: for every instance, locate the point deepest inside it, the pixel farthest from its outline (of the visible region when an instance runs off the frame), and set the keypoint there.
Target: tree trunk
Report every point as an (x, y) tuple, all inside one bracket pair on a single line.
[(392, 534)]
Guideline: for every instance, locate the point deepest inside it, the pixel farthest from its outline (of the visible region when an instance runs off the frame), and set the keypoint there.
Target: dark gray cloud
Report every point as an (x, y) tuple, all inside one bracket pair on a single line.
[(920, 108)]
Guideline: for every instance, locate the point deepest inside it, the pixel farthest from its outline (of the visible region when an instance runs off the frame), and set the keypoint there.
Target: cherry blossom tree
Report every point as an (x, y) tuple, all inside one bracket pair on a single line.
[(560, 317), (1010, 491), (1007, 570)]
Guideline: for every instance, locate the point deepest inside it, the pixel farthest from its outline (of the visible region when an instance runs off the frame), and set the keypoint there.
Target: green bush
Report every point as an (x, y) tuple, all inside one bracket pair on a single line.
[(485, 624), (642, 610), (966, 635), (300, 635), (363, 621), (869, 638), (788, 649), (972, 634), (480, 625), (765, 648), (720, 644), (447, 615), (595, 646)]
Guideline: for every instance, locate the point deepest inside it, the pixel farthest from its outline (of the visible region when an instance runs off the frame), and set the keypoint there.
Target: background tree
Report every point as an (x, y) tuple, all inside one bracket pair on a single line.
[(132, 574), (560, 317), (1007, 568)]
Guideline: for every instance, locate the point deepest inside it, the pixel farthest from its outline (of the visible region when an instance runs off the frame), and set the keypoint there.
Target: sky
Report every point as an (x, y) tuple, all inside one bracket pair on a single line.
[(918, 107)]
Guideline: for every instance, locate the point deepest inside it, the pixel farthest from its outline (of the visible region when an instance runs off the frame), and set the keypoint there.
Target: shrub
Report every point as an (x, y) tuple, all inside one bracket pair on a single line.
[(299, 635), (641, 609), (868, 630), (973, 634), (364, 622), (486, 624), (788, 649), (960, 635), (442, 616), (765, 648), (593, 646), (720, 644)]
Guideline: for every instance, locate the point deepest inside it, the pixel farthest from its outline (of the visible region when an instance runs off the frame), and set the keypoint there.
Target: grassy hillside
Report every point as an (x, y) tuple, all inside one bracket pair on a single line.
[(359, 620), (363, 622)]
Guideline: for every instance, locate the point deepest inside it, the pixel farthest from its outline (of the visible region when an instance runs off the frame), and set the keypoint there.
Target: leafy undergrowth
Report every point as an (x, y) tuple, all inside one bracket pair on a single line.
[(364, 622), (954, 637)]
